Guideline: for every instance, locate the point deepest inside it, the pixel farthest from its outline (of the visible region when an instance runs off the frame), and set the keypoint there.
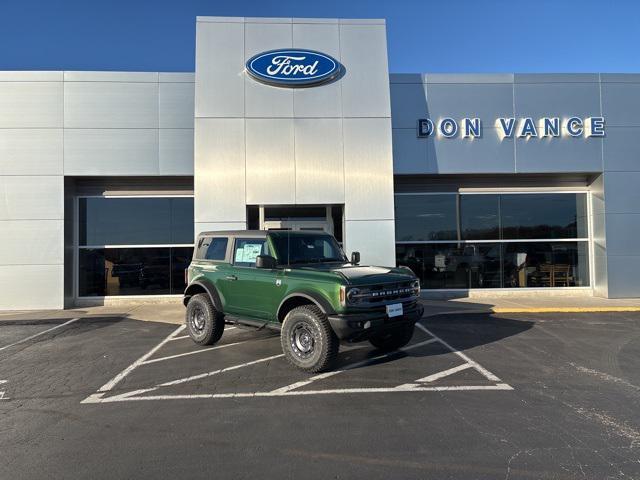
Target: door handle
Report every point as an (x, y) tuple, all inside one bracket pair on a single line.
[(231, 277)]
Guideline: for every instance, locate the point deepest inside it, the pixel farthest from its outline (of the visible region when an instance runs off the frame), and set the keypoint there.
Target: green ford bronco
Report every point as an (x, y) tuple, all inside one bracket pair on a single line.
[(301, 283)]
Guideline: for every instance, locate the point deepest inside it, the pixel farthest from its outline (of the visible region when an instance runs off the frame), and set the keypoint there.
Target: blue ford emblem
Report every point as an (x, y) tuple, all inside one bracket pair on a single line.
[(293, 67)]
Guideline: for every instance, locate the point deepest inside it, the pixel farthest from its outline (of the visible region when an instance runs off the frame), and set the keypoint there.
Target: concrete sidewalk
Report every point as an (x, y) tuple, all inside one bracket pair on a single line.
[(532, 304)]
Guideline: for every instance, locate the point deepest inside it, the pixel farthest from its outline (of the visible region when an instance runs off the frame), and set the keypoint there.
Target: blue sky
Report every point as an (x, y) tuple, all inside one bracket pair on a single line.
[(424, 36)]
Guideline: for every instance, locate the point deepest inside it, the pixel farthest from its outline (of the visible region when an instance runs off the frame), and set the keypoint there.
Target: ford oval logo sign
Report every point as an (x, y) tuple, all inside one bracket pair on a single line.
[(293, 67)]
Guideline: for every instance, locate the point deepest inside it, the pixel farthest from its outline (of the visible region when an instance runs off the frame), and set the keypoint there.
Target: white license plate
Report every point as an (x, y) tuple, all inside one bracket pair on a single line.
[(394, 310)]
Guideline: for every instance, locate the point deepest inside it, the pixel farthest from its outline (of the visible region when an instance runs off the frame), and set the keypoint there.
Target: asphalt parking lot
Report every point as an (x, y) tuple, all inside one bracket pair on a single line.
[(479, 396)]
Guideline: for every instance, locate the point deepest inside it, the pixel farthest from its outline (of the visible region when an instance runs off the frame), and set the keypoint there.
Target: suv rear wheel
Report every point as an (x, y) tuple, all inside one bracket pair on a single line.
[(308, 342), (205, 324), (392, 340)]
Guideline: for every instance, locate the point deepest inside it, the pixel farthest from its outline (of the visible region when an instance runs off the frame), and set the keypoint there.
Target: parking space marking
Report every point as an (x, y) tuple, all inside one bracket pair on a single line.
[(118, 378), (361, 363), (2, 392), (420, 385), (154, 360), (483, 371), (182, 337), (39, 333)]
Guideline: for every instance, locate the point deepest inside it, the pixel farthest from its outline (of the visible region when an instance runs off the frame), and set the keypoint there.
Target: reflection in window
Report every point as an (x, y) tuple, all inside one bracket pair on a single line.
[(135, 221), (556, 215), (426, 217), (479, 217), (133, 271)]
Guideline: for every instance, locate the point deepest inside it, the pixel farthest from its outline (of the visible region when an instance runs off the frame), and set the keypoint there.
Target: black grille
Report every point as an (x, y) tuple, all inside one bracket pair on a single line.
[(389, 292)]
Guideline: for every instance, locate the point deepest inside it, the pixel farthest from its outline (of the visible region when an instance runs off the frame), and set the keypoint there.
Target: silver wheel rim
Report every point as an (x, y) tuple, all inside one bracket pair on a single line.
[(302, 340), (197, 320)]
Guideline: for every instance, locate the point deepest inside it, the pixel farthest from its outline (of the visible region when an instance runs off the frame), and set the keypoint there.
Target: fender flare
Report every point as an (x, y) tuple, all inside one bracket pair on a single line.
[(322, 303), (211, 290)]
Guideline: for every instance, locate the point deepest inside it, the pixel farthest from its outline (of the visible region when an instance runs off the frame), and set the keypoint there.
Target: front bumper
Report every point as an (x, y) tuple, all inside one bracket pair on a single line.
[(359, 326)]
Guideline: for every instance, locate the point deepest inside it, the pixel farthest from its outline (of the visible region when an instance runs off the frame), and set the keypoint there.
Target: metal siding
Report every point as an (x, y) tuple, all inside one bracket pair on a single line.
[(365, 85), (408, 104), (622, 149), (621, 104), (324, 100), (110, 105), (24, 287), (270, 161), (176, 151), (31, 104), (557, 99), (368, 167), (485, 101), (410, 153), (31, 242), (621, 192), (319, 166), (563, 154), (264, 100), (176, 105), (623, 232), (219, 170), (111, 152), (622, 276), (488, 154), (31, 198), (31, 151), (219, 90), (374, 239)]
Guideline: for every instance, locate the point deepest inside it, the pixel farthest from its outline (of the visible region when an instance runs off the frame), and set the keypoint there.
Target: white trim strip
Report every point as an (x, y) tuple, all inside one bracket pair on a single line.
[(185, 354), (118, 378), (39, 333), (474, 364), (523, 240), (138, 245)]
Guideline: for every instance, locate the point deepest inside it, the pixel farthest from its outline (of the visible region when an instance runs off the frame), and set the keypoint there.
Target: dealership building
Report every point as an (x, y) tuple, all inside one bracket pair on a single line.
[(478, 182)]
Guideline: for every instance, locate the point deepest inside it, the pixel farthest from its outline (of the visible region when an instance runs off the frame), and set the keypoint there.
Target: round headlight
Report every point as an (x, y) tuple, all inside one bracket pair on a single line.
[(352, 295)]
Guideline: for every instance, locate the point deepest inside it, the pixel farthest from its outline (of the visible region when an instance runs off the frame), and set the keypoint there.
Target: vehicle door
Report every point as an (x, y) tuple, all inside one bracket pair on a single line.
[(239, 283)]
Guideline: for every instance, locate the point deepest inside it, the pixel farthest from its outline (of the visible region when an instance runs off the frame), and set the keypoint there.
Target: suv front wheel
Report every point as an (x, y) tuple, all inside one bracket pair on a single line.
[(205, 323), (308, 342)]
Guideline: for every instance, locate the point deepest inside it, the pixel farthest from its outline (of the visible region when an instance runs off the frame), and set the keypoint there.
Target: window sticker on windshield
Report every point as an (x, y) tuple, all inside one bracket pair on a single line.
[(248, 253)]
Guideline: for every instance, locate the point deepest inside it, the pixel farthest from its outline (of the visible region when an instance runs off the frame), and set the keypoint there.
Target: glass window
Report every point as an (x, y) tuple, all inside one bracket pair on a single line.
[(426, 217), (133, 271), (453, 265), (135, 221), (546, 264), (212, 248), (298, 248), (553, 215), (480, 217), (246, 251)]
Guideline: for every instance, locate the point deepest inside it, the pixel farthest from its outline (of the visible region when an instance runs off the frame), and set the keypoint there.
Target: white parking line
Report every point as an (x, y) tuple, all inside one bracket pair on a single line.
[(476, 365), (362, 363), (455, 388), (2, 392), (118, 378), (154, 360), (182, 337), (39, 333)]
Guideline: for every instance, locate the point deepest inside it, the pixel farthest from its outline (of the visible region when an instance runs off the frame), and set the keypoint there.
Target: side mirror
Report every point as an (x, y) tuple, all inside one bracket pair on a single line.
[(266, 261), (355, 258)]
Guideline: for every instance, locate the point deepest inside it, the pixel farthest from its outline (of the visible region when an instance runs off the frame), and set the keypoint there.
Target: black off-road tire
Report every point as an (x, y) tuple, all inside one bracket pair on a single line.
[(393, 339), (308, 342), (205, 324)]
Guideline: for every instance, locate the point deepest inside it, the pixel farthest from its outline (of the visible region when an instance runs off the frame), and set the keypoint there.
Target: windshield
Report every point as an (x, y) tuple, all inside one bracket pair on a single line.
[(300, 248)]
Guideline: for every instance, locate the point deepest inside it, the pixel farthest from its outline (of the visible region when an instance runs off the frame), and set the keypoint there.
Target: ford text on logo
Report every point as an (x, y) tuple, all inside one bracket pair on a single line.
[(293, 67)]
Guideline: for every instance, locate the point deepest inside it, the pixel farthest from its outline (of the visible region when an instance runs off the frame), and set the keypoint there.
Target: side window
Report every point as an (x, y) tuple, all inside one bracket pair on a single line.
[(212, 248), (217, 249), (247, 250)]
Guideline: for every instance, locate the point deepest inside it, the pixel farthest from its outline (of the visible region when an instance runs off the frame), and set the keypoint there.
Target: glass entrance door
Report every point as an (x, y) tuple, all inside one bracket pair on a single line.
[(296, 218)]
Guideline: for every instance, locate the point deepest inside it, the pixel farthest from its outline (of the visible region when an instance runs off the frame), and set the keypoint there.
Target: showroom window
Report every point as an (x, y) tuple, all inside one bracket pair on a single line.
[(491, 240), (133, 245)]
